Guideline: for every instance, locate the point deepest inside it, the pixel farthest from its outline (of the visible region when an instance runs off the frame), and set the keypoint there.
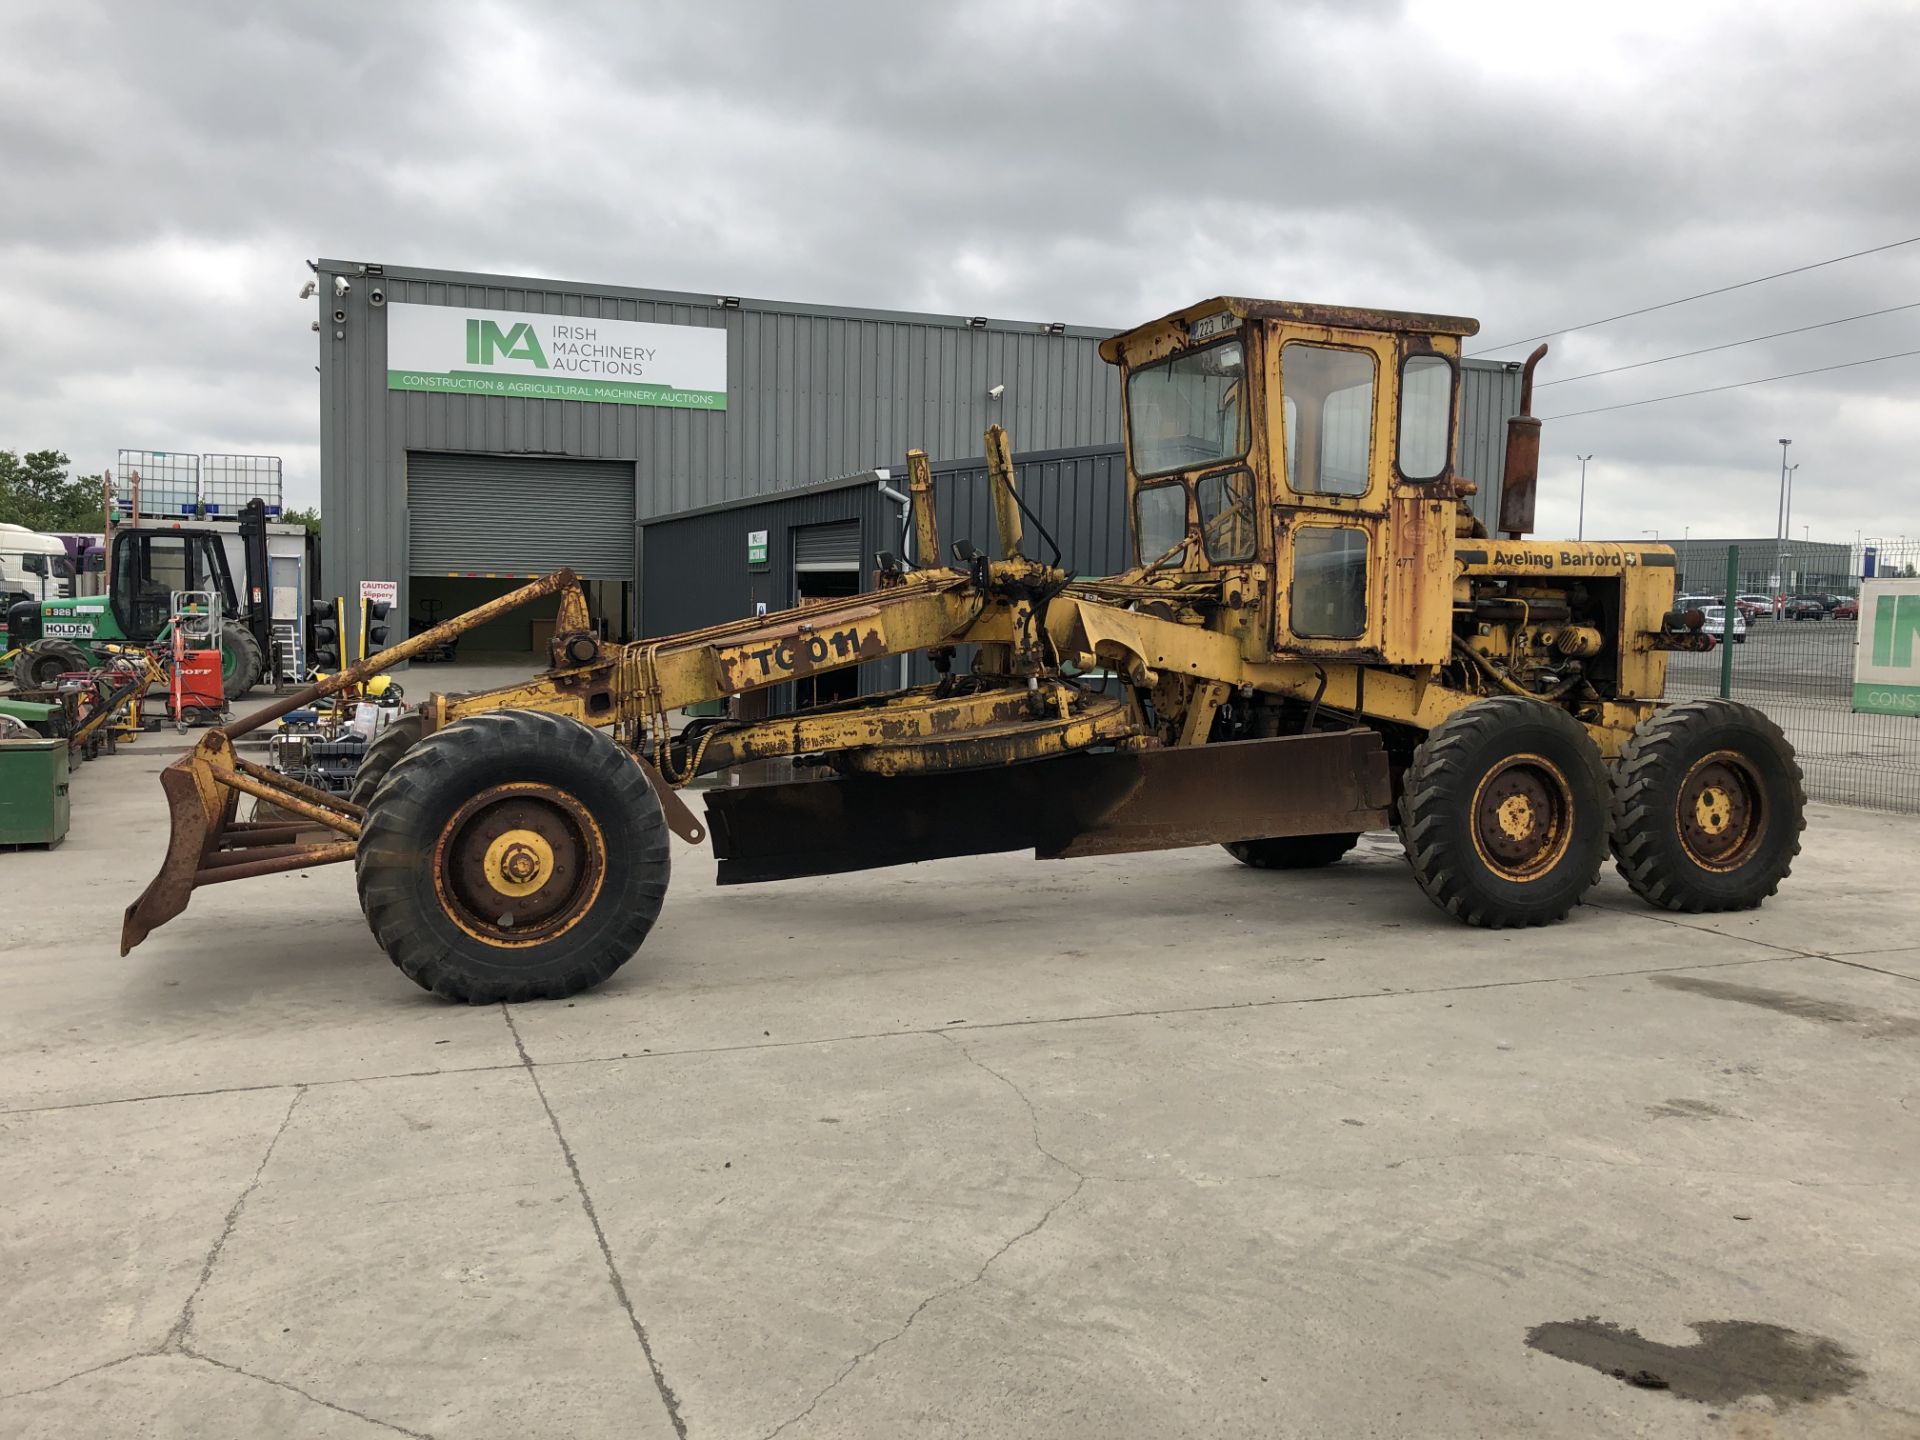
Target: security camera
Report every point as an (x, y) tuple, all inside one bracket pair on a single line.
[(306, 290), (376, 297), (996, 392), (340, 287)]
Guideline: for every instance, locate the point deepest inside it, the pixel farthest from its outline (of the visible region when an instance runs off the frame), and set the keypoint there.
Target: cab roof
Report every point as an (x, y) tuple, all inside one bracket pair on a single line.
[(1346, 317)]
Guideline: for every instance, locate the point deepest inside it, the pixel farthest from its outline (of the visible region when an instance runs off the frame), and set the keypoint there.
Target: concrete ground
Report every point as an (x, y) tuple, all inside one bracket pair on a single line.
[(1148, 1146)]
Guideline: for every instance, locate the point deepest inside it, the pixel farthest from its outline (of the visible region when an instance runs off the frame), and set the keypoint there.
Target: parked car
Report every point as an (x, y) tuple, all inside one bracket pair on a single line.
[(1716, 624), (1806, 607), (1694, 602), (1755, 607), (1847, 609)]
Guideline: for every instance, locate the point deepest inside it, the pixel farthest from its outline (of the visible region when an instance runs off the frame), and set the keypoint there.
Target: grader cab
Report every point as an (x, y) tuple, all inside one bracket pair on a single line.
[(1317, 639)]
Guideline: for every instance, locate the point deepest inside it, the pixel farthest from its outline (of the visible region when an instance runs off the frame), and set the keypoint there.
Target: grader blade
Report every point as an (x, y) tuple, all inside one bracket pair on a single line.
[(1085, 804)]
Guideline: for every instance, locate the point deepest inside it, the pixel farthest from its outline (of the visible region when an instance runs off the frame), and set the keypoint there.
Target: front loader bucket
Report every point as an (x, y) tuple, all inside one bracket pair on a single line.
[(1101, 803)]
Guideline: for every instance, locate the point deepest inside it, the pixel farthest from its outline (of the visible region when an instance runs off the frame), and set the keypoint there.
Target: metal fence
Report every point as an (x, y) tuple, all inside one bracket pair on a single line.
[(1792, 656)]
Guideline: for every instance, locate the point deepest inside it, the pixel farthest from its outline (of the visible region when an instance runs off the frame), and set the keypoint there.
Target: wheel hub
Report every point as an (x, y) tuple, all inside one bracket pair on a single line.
[(519, 863), (1522, 817), (1719, 811)]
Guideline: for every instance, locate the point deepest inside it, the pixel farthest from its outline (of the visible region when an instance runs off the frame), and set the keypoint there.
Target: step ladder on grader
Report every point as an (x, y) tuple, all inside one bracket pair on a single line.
[(1318, 639)]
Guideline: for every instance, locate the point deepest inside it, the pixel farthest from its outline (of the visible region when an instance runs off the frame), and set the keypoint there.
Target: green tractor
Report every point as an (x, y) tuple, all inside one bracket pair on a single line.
[(150, 561)]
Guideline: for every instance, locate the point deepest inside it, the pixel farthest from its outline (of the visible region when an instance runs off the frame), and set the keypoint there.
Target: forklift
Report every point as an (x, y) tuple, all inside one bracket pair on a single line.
[(148, 562)]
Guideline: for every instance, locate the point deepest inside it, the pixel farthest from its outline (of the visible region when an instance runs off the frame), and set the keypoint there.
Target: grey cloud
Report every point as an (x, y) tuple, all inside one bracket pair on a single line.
[(169, 167)]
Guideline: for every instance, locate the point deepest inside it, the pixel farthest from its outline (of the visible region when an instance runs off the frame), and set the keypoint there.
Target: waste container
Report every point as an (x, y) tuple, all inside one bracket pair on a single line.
[(33, 792)]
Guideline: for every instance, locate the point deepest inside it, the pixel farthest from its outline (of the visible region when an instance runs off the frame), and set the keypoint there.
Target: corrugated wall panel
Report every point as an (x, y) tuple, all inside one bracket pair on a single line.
[(1489, 393)]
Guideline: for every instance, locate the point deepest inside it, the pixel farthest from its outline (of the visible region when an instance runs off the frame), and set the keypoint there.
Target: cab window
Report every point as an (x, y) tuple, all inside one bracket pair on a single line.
[(1225, 502), (1186, 411), (1160, 520), (1329, 418), (1426, 416), (1329, 582)]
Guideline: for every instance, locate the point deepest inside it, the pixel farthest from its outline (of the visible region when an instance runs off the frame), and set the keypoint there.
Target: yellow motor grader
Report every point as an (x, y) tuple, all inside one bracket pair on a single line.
[(1317, 639)]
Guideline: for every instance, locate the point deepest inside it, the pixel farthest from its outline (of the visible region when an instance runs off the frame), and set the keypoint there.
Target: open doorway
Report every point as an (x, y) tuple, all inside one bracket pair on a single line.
[(826, 564)]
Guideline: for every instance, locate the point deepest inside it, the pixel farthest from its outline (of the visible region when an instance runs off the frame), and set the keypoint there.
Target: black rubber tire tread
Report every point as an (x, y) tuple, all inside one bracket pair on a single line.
[(400, 736), (1436, 800), (1647, 849), (422, 791), (249, 663), (1292, 852), (44, 661)]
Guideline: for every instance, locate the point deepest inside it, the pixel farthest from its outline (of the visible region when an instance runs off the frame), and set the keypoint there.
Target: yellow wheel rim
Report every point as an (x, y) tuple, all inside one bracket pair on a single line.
[(1521, 818), (1721, 811)]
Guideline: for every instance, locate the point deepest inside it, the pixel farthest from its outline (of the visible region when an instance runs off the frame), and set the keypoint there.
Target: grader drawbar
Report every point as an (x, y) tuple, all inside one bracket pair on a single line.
[(1317, 639)]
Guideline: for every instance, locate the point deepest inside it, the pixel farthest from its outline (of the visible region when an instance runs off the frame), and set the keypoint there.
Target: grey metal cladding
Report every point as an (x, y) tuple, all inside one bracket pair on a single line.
[(812, 392), (519, 515), (1489, 393)]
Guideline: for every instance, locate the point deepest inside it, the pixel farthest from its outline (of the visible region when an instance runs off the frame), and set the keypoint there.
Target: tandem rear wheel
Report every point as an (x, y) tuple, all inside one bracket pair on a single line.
[(1708, 807), (512, 856)]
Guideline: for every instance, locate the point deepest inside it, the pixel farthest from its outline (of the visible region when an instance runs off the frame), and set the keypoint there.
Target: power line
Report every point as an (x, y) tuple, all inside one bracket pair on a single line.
[(1730, 345), (1737, 385), (1686, 299)]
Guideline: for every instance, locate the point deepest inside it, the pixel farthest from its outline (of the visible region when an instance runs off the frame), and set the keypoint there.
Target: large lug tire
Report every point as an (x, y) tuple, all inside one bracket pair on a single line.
[(1292, 852), (45, 661), (1503, 813), (400, 736), (241, 663), (1708, 806), (512, 856)]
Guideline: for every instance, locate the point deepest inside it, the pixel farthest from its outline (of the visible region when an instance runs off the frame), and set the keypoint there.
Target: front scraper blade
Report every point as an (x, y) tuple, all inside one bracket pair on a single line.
[(1098, 803)]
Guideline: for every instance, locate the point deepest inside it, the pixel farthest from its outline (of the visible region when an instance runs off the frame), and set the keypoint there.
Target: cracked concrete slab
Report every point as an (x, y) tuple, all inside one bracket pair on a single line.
[(109, 1215), (417, 1252), (176, 1397), (781, 1212)]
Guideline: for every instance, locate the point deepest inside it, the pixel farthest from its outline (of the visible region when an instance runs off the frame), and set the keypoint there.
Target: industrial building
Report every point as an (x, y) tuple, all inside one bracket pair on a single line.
[(1766, 566), (477, 429)]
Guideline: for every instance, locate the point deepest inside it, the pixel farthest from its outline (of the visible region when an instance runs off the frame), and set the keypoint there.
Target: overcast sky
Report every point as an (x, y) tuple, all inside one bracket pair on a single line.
[(166, 169)]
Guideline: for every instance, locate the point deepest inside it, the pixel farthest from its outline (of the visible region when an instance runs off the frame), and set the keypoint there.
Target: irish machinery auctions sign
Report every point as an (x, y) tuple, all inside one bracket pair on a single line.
[(454, 351)]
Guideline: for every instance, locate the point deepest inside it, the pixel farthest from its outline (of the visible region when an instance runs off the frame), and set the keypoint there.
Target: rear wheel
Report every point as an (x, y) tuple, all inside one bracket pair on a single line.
[(1503, 813), (388, 746), (45, 661), (1708, 807), (241, 663), (1292, 852), (512, 856)]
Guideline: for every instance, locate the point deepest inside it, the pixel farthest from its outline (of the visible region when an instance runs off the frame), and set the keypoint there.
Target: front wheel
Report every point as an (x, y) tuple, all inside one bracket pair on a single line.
[(1503, 812), (1708, 807), (42, 663), (512, 856)]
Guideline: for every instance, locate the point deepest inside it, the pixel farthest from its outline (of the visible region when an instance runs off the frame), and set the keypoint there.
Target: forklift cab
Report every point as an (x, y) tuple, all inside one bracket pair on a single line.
[(148, 566), (1308, 449)]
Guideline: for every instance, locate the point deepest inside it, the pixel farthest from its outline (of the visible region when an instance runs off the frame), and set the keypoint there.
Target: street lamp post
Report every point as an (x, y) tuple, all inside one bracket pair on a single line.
[(1780, 521), (1581, 533)]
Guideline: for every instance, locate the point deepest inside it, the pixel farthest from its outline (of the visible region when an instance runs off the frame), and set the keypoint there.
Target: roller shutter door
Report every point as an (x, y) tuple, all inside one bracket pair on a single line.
[(519, 515), (827, 547)]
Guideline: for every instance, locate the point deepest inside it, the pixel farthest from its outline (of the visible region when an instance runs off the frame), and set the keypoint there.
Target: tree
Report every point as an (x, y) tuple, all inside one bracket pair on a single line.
[(310, 517), (36, 491)]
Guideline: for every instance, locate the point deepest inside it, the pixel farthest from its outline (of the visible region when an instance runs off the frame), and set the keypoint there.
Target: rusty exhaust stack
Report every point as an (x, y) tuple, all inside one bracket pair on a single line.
[(1521, 480)]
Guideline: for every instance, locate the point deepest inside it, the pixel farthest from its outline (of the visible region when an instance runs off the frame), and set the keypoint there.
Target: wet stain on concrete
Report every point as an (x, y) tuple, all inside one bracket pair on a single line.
[(1680, 1108), (1731, 1360), (1876, 1023)]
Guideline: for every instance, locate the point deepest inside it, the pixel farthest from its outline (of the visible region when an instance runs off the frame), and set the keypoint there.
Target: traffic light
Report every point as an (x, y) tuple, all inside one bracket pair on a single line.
[(373, 626), (324, 653)]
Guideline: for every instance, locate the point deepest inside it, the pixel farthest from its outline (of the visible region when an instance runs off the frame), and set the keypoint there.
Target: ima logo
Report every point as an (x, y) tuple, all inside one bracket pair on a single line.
[(487, 342)]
